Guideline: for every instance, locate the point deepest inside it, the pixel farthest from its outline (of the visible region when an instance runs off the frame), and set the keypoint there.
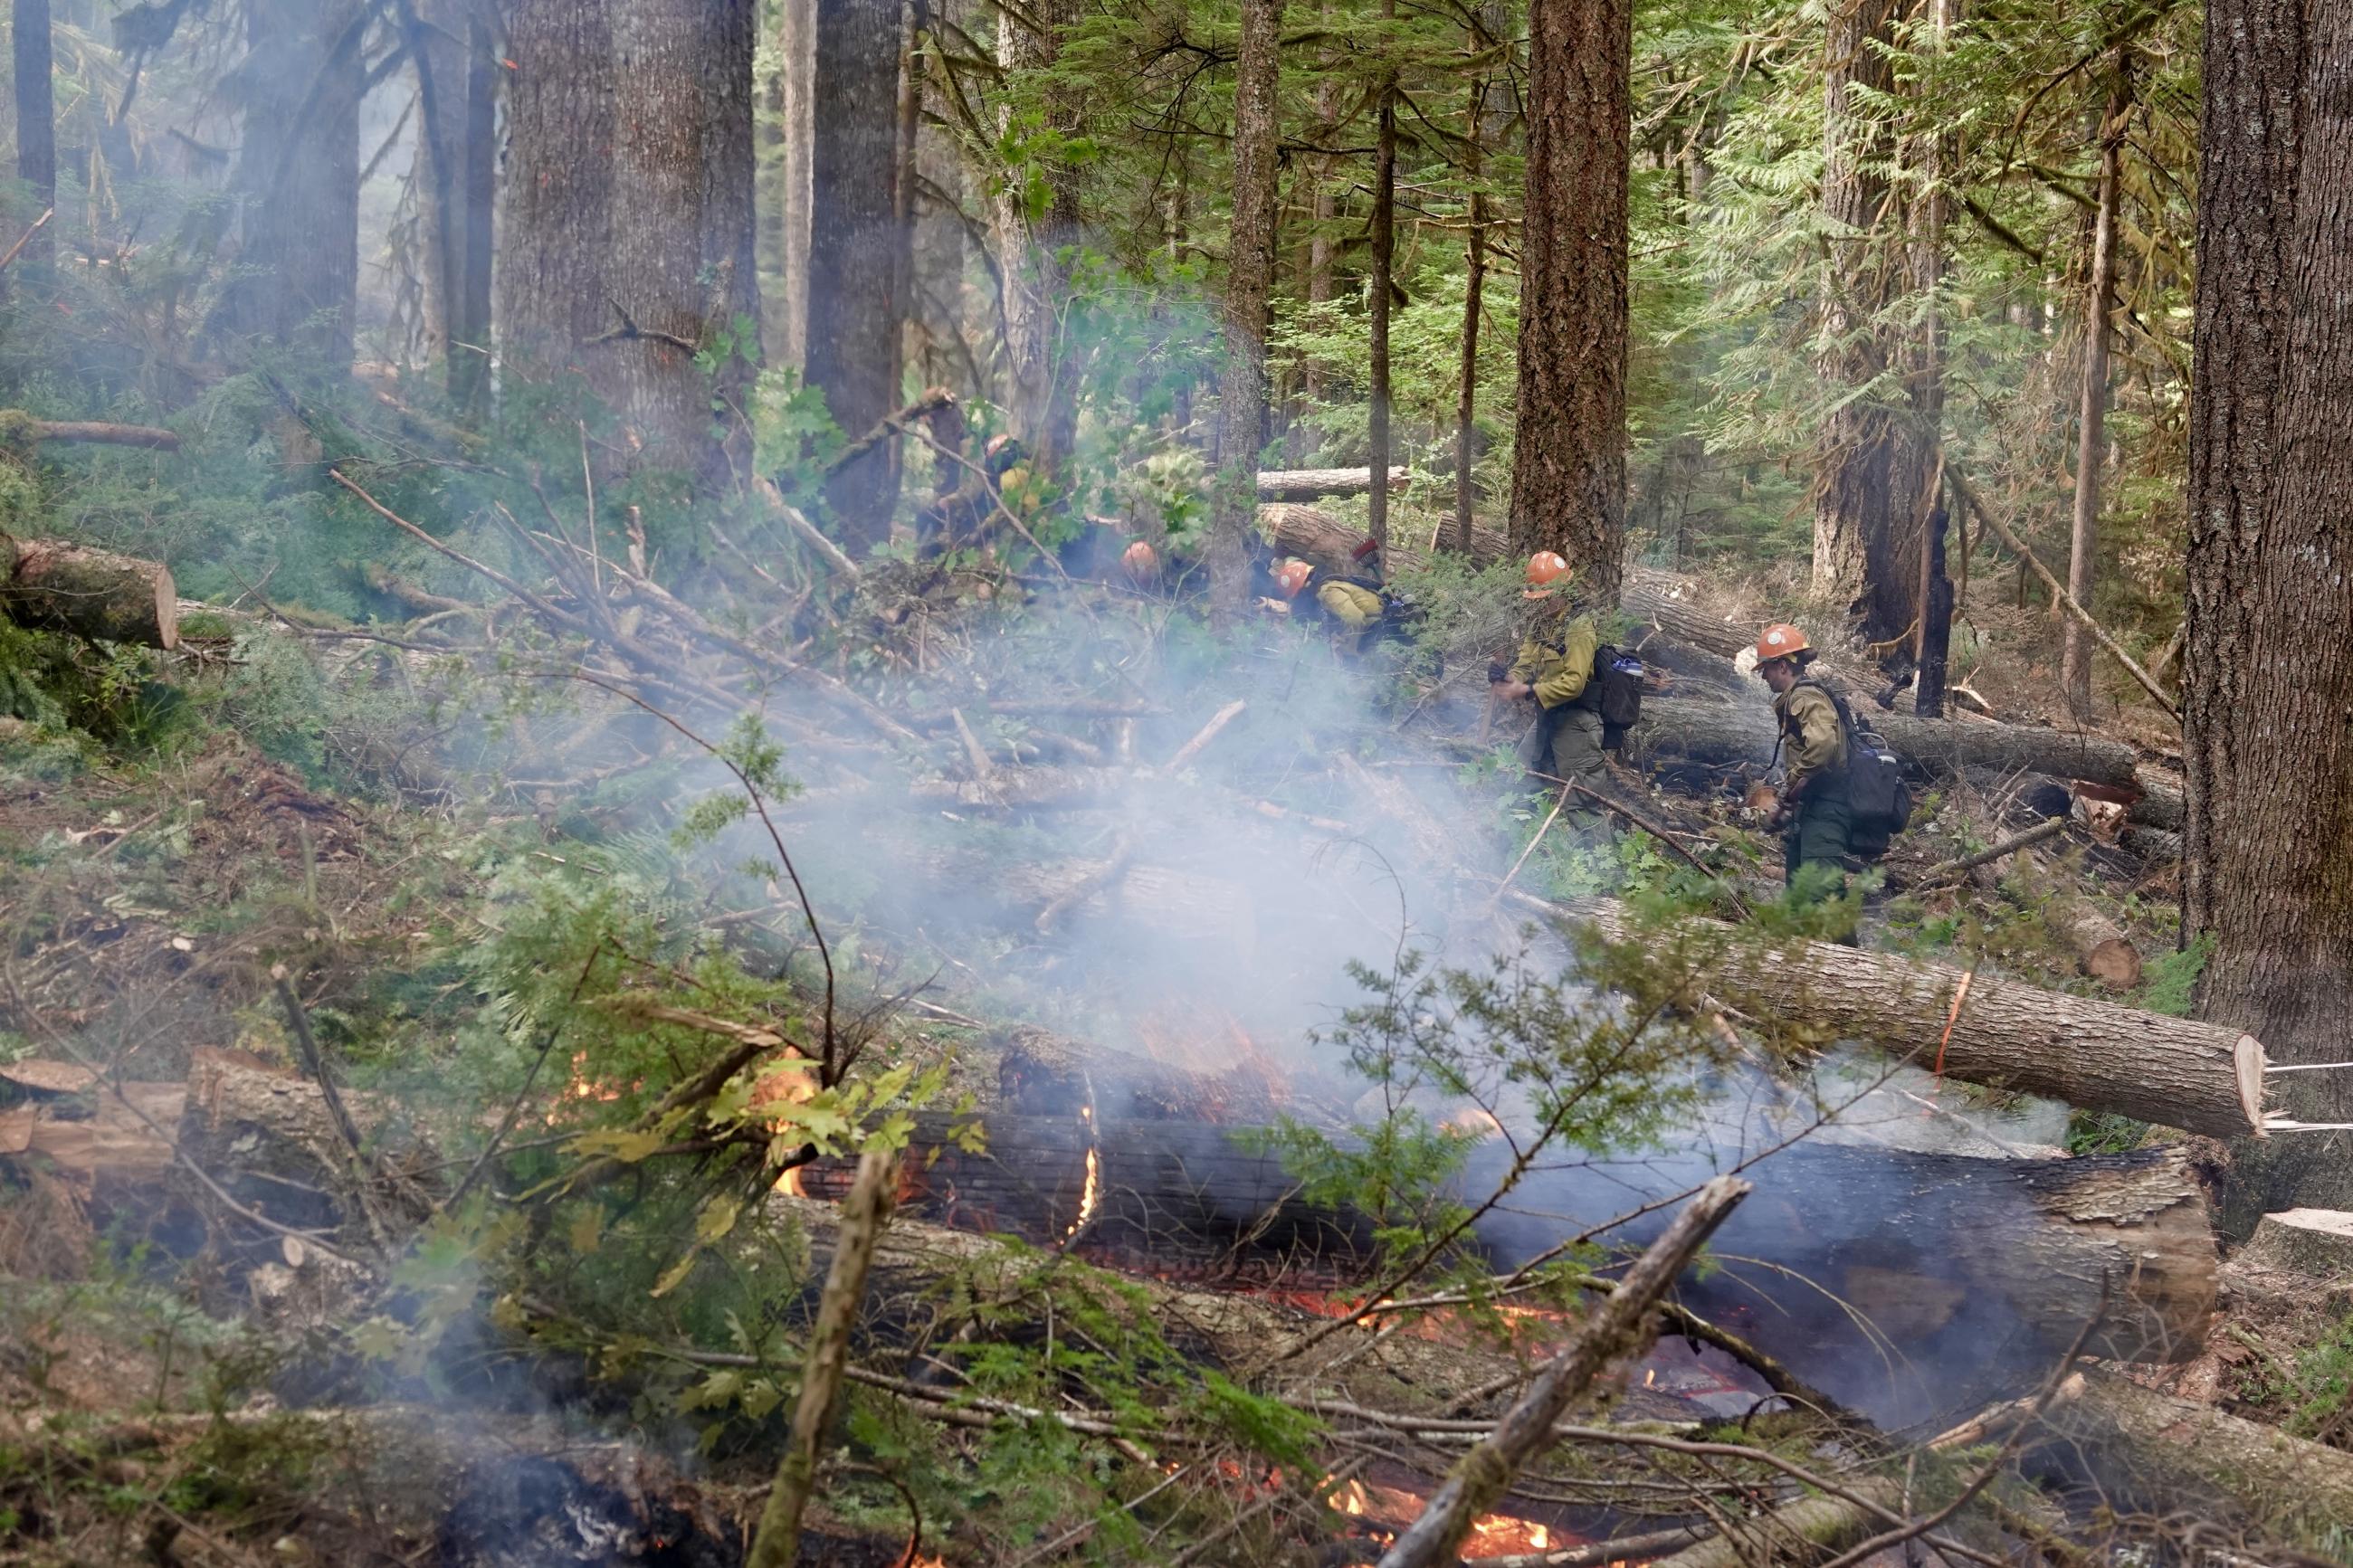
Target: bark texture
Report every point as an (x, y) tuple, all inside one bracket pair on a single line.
[(1031, 236), (51, 586), (1382, 281), (1872, 469), (298, 181), (1314, 484), (789, 168), (1568, 471), (852, 348), (2269, 662), (628, 234), (1250, 286), (36, 121), (2176, 1072), (2142, 1452)]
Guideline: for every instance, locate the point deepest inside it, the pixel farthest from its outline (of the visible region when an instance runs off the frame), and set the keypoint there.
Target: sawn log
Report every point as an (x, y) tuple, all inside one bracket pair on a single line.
[(51, 586), (2176, 1072), (1314, 484)]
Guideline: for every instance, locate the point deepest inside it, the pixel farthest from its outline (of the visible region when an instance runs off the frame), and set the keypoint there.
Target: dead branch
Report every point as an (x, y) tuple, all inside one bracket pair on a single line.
[(1208, 733), (629, 332), (827, 550), (863, 1215), (1480, 1479), (1122, 854), (2039, 833)]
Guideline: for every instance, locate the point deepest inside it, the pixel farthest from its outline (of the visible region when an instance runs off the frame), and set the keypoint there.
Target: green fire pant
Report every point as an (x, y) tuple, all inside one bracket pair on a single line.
[(1820, 836), (1566, 743)]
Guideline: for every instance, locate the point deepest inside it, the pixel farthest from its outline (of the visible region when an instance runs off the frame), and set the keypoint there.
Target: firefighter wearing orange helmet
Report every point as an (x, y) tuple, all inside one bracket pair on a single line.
[(1554, 667), (1348, 604), (1816, 828)]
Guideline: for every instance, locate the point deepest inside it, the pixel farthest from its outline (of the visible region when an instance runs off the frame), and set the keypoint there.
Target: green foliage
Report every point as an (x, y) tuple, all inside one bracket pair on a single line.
[(2169, 980)]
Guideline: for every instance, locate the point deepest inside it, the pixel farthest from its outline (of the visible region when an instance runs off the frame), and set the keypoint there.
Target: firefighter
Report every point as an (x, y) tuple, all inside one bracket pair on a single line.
[(1349, 606), (1556, 667), (1812, 814)]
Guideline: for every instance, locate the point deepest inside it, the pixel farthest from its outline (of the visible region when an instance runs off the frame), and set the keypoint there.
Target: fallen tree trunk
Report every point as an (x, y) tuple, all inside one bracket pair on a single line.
[(1977, 1272), (1731, 734), (1314, 484), (91, 432), (2103, 951), (2174, 1072), (51, 586), (2140, 1452), (2162, 803)]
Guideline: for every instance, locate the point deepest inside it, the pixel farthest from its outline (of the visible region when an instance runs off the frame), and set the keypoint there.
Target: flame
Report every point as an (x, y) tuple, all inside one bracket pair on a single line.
[(790, 1184), (1650, 1378), (1089, 1195), (1350, 1499), (1474, 1121)]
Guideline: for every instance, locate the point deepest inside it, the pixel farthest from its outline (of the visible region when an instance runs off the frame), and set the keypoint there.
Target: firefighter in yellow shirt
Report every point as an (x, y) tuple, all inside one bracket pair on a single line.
[(1555, 666)]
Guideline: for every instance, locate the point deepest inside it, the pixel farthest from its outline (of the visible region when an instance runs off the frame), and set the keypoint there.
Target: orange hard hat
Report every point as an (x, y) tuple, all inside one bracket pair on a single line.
[(1293, 577), (1143, 563), (1544, 566), (1781, 642)]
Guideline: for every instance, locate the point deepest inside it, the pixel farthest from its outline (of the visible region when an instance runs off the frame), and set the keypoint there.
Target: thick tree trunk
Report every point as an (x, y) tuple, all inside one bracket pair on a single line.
[(2173, 1071), (1871, 474), (1323, 206), (1723, 733), (2269, 670), (1569, 471), (852, 352), (1383, 283), (37, 123), (1249, 284), (51, 586), (2092, 434), (1044, 404), (628, 234), (298, 176), (434, 37)]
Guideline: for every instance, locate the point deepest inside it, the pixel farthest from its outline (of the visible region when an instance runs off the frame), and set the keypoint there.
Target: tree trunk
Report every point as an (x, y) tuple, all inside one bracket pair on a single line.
[(1325, 208), (1492, 25), (2173, 1071), (2092, 438), (51, 586), (1044, 405), (1724, 734), (435, 37), (628, 236), (1383, 283), (1871, 470), (469, 323), (853, 342), (2269, 671), (36, 124), (298, 176), (792, 174), (1569, 471), (1249, 282), (1935, 624)]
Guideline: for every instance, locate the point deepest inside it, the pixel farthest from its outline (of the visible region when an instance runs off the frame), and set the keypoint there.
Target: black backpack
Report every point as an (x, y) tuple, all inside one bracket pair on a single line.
[(1617, 685), (1878, 801)]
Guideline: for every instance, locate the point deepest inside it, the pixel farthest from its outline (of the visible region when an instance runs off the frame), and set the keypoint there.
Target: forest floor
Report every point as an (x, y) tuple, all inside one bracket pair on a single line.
[(152, 896)]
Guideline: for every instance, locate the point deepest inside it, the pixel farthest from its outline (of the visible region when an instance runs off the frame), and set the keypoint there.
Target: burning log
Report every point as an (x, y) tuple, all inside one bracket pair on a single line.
[(1040, 1073), (51, 586), (1727, 734), (2176, 1072), (1314, 484), (1896, 1281)]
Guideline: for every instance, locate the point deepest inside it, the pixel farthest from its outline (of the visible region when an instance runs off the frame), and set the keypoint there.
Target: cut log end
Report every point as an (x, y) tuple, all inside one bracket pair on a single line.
[(51, 586), (2114, 964), (2314, 1242), (2249, 1062)]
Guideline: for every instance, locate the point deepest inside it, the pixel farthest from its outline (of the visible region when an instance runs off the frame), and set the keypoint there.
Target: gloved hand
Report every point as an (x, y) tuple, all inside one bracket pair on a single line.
[(1780, 818), (1496, 673)]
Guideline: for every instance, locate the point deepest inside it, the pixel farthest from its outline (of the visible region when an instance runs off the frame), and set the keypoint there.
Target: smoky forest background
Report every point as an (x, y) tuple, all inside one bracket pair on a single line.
[(683, 880)]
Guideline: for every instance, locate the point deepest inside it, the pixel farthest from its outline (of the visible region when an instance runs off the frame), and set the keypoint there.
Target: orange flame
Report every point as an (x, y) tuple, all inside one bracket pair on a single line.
[(1090, 1195)]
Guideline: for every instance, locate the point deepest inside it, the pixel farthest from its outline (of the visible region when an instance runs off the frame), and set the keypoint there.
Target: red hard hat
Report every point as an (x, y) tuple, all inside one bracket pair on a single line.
[(1143, 563), (1293, 577), (1544, 566), (1780, 641)]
